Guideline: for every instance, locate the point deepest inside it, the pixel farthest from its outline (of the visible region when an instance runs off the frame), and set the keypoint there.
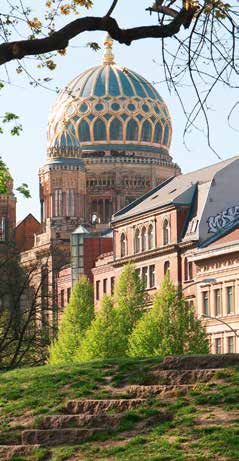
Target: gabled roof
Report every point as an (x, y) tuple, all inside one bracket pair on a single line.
[(30, 215), (178, 190)]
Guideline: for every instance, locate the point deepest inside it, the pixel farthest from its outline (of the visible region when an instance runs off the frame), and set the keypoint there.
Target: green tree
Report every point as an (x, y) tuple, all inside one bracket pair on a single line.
[(76, 318), (169, 328), (130, 302), (102, 339)]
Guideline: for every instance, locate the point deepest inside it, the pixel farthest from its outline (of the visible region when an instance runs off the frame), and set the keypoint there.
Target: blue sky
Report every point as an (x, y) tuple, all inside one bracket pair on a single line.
[(25, 154)]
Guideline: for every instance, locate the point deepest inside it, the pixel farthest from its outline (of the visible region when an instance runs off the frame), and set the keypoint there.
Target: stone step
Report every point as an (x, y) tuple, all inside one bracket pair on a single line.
[(157, 391), (95, 407), (7, 452), (195, 362), (179, 377), (53, 437), (103, 421)]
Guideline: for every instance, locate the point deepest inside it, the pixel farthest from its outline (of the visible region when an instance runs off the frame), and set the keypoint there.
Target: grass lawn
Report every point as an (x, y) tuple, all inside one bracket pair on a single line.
[(202, 425)]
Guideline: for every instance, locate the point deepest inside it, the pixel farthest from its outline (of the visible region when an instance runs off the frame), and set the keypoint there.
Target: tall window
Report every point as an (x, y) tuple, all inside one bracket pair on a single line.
[(116, 130), (205, 303), (112, 285), (97, 290), (70, 203), (230, 344), (150, 237), (218, 346), (146, 131), (144, 239), (62, 298), (137, 241), (229, 292), (217, 300), (158, 133), (68, 294), (132, 133), (190, 270), (105, 286), (99, 130), (2, 228), (123, 245), (58, 202), (84, 131), (145, 276), (165, 232), (152, 276), (166, 268)]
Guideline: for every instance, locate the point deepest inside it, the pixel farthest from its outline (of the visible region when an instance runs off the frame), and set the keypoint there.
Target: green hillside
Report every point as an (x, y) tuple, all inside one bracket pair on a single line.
[(182, 408)]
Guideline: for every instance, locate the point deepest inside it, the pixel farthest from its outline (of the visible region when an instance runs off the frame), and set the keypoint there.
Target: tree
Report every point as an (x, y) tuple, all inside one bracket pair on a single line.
[(25, 311), (76, 318), (198, 40), (102, 339), (130, 302), (169, 328)]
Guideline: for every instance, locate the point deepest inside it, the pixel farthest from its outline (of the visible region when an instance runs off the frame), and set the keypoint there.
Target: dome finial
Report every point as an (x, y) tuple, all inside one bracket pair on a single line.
[(108, 54)]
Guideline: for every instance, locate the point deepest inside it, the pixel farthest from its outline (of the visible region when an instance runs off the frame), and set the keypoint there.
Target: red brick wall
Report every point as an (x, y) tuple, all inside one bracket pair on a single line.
[(93, 247), (25, 233)]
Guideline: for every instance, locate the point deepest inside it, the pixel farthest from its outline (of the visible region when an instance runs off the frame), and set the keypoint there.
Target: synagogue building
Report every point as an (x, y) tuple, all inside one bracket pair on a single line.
[(111, 193)]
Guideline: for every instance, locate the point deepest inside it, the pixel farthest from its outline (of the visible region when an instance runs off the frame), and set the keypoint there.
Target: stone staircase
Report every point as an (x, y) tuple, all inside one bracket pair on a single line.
[(83, 419)]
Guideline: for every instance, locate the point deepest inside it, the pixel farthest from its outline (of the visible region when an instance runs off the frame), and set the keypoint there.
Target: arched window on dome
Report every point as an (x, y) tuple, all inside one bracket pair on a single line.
[(123, 245), (166, 135), (144, 239), (150, 237), (132, 133), (99, 130), (84, 131), (146, 131), (158, 133), (116, 130), (137, 241)]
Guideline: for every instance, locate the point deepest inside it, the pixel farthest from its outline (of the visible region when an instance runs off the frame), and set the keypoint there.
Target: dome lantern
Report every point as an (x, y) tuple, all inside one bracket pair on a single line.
[(108, 53)]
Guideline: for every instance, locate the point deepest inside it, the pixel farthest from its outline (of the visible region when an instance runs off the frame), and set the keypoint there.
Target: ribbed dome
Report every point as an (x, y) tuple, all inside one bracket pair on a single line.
[(110, 107)]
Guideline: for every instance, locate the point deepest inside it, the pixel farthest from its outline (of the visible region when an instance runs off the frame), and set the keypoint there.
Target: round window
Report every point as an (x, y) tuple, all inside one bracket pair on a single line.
[(131, 107), (83, 107), (99, 107), (115, 106)]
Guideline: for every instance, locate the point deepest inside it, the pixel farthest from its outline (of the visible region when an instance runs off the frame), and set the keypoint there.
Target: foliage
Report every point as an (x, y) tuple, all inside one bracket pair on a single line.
[(130, 302), (168, 328), (76, 318), (6, 182), (102, 339)]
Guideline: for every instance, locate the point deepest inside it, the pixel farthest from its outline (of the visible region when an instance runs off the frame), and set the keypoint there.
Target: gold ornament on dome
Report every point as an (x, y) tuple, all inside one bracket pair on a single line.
[(108, 53)]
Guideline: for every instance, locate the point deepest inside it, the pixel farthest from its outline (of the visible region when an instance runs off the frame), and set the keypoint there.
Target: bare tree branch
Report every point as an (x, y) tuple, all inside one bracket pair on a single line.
[(60, 39), (111, 9)]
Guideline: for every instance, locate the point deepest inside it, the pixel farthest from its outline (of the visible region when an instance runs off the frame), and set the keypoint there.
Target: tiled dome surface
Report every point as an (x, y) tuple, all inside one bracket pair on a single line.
[(110, 107)]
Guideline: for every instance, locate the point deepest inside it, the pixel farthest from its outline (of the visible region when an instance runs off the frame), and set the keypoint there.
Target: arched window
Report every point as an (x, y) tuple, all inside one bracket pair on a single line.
[(123, 245), (116, 130), (132, 131), (146, 131), (137, 241), (158, 133), (165, 232), (99, 130), (150, 237), (84, 131), (166, 135), (144, 239), (166, 268)]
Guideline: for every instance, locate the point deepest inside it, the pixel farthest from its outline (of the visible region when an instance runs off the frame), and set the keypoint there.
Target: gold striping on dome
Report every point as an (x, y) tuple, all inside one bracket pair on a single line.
[(108, 53)]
